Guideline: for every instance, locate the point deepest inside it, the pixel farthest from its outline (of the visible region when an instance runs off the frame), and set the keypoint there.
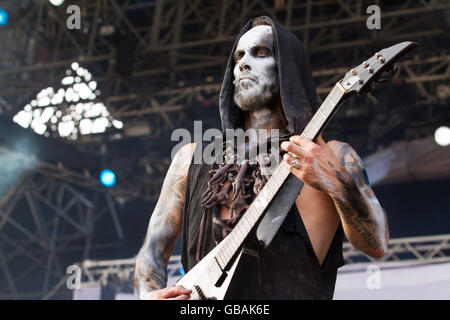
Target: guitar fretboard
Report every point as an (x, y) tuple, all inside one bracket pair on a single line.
[(250, 217)]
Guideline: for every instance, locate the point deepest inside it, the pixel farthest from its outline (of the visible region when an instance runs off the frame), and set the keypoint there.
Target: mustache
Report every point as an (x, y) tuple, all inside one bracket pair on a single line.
[(236, 81)]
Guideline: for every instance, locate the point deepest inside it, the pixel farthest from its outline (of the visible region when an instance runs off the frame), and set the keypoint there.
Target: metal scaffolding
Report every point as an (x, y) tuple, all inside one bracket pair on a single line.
[(415, 250), (50, 217), (174, 51)]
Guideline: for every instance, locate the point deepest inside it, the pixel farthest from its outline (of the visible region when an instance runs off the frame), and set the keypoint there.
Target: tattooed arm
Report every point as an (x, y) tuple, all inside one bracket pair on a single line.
[(337, 170), (364, 220), (150, 274)]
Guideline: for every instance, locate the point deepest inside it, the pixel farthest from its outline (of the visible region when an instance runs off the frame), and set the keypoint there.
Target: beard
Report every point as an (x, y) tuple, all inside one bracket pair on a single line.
[(252, 95)]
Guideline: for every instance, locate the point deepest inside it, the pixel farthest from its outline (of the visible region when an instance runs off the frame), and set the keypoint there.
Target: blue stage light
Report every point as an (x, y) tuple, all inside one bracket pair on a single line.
[(3, 17), (107, 178)]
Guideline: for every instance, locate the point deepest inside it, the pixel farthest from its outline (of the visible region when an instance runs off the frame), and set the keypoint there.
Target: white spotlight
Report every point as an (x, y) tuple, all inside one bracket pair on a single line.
[(75, 66), (442, 136), (56, 2)]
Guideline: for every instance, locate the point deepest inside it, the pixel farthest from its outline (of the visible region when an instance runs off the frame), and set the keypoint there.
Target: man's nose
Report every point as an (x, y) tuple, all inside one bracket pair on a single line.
[(243, 64)]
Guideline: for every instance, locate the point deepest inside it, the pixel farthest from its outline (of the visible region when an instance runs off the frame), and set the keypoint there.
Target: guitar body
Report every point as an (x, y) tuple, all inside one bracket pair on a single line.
[(207, 280)]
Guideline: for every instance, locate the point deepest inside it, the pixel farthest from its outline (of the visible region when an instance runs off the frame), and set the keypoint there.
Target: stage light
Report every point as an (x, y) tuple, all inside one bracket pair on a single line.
[(442, 136), (56, 3), (3, 17), (78, 91), (107, 178)]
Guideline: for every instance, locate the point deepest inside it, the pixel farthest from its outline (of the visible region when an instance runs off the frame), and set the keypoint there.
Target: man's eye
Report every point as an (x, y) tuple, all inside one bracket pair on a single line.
[(261, 53)]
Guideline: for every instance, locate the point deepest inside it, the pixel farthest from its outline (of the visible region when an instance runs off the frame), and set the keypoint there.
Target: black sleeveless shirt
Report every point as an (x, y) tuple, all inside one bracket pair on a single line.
[(287, 269)]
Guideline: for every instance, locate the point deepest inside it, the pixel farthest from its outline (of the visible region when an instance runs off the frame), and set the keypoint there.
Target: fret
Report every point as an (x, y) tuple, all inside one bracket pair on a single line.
[(274, 187), (328, 105), (233, 246), (249, 211), (227, 252), (239, 233), (234, 241), (319, 112), (335, 95), (245, 224), (220, 258), (249, 221), (224, 255), (278, 177), (254, 215), (264, 193), (284, 170), (309, 132), (318, 122), (257, 204), (315, 127), (268, 186), (264, 198)]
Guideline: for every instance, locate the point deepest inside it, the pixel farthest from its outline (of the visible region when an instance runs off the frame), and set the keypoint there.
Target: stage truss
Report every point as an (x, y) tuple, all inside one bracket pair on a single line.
[(174, 53), (413, 250)]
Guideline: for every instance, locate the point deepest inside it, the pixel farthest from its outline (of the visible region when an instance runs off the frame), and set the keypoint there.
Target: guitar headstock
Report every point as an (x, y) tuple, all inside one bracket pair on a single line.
[(360, 79)]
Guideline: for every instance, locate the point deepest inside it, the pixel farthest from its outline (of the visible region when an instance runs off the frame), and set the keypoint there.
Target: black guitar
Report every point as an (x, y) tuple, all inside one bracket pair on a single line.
[(211, 277)]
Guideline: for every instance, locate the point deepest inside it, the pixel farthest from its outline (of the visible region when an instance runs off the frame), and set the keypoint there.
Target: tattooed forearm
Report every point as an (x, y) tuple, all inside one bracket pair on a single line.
[(356, 213), (164, 227), (151, 262), (150, 273), (357, 204)]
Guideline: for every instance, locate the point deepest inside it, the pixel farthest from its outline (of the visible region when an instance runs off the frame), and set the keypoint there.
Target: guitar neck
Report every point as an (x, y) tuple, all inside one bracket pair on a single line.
[(325, 112), (248, 220)]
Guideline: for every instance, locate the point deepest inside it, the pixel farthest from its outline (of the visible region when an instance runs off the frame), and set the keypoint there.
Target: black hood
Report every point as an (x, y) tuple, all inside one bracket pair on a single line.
[(297, 88)]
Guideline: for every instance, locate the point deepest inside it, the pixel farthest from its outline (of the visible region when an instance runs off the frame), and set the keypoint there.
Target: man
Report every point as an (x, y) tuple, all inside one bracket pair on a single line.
[(267, 85)]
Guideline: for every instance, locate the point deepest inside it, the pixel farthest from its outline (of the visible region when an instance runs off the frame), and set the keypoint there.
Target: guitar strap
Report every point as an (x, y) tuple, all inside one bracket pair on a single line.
[(277, 210)]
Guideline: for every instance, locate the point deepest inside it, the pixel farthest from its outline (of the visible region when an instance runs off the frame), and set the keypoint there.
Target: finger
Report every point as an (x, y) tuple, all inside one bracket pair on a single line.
[(293, 148), (320, 141), (305, 144), (289, 158), (181, 297), (175, 291)]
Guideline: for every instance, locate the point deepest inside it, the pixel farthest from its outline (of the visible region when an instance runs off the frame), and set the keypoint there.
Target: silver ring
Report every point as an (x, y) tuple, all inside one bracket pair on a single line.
[(295, 164)]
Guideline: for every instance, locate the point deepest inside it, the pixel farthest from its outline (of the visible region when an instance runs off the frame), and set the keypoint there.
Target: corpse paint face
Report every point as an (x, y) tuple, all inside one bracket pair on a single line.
[(255, 71)]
